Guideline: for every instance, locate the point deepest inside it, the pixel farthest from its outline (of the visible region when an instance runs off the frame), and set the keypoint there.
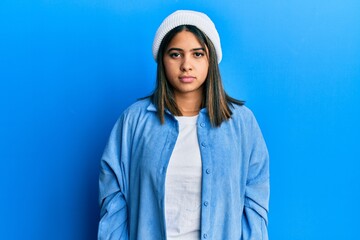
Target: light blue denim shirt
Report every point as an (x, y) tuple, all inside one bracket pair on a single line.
[(235, 176)]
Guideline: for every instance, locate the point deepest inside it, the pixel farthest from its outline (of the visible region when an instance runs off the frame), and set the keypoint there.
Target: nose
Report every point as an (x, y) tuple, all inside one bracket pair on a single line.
[(186, 64)]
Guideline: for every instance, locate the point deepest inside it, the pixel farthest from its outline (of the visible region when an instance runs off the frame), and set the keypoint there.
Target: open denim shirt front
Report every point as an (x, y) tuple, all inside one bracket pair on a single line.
[(235, 176)]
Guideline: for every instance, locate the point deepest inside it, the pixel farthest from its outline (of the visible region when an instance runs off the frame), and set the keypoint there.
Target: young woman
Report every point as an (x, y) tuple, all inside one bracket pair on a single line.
[(188, 162)]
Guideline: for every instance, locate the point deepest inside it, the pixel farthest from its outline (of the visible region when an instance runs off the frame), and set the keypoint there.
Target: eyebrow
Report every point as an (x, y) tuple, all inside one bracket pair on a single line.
[(181, 50)]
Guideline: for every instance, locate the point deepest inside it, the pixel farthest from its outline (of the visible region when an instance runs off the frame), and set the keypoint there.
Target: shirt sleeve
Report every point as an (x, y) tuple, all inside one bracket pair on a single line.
[(257, 191), (112, 188)]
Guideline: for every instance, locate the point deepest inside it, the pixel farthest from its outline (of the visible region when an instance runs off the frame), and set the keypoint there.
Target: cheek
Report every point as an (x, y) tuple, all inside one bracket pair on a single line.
[(170, 69), (205, 69)]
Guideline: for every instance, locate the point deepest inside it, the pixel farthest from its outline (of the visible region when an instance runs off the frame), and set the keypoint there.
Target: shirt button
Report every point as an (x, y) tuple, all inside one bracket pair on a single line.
[(205, 235), (206, 203), (203, 144), (208, 171), (202, 124)]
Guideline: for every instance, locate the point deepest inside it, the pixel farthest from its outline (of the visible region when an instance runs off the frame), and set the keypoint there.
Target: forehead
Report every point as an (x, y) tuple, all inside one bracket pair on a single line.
[(186, 39)]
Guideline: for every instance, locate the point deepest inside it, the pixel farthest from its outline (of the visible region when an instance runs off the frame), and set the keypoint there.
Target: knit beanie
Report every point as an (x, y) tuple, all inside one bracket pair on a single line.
[(187, 17)]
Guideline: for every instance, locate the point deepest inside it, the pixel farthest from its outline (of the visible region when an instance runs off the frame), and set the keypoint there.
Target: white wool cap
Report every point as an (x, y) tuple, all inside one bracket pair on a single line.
[(188, 17)]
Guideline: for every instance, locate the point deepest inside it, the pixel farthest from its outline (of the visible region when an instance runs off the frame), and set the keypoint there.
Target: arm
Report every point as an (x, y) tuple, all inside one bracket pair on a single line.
[(255, 221), (113, 215)]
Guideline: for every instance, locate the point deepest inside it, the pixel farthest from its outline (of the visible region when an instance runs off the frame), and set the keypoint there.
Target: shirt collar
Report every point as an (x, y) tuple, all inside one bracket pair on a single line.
[(152, 108)]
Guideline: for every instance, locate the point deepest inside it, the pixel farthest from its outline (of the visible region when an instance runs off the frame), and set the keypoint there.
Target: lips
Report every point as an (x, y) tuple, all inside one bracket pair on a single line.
[(187, 79)]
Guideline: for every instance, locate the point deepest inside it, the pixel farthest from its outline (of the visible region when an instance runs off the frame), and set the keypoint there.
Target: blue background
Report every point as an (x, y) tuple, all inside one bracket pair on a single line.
[(69, 68)]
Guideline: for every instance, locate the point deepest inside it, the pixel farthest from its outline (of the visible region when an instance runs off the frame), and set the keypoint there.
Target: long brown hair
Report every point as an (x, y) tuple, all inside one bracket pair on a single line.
[(215, 99)]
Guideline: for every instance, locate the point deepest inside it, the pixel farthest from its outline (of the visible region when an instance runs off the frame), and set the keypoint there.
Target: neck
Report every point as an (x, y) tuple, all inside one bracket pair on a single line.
[(189, 104)]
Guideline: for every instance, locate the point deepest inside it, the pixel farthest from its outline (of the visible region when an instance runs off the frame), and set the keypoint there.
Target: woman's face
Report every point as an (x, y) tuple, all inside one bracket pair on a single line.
[(186, 64)]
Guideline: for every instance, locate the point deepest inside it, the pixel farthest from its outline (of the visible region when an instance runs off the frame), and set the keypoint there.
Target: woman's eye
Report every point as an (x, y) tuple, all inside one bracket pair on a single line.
[(198, 54), (174, 55)]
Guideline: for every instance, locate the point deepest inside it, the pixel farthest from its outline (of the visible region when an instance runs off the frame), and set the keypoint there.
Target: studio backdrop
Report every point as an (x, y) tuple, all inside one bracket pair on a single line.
[(69, 68)]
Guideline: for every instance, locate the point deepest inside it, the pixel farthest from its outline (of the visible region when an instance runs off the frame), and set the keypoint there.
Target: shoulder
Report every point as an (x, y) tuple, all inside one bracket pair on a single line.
[(242, 112), (244, 118), (134, 112), (138, 106), (137, 109)]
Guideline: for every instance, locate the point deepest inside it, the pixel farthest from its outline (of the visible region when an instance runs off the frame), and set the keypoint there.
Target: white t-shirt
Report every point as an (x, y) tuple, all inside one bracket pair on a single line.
[(183, 184)]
